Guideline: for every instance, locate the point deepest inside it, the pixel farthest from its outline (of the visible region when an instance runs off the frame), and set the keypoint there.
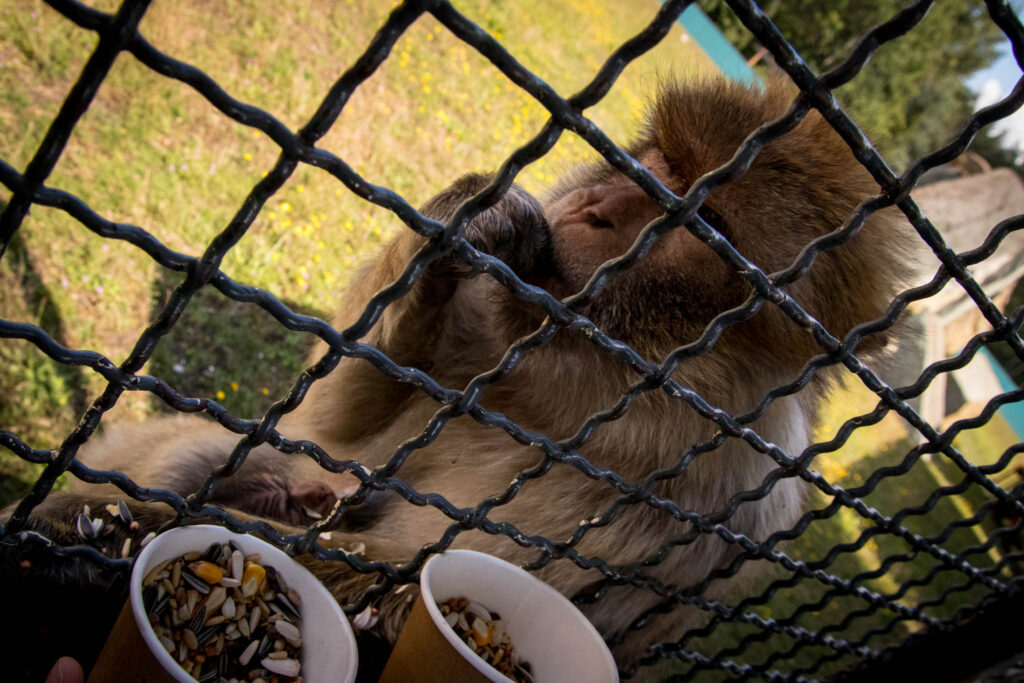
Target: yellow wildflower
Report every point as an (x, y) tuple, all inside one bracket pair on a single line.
[(234, 386)]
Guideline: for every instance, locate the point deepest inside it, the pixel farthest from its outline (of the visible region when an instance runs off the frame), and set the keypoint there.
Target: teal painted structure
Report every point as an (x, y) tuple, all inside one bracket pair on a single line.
[(720, 50), (1012, 412)]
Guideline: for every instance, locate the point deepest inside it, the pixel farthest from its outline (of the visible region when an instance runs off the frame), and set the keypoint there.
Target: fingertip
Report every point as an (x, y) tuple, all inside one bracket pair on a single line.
[(66, 670)]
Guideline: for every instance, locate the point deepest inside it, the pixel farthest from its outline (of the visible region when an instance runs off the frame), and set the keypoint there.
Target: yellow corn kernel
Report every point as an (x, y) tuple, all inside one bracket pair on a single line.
[(207, 571), (481, 633), (252, 579)]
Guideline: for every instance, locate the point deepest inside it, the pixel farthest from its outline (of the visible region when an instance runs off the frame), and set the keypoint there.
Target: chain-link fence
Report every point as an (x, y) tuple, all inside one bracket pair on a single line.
[(841, 615)]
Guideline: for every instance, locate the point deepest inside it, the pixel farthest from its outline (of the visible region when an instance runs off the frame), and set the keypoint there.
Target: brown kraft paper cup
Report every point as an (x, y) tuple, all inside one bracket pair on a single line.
[(545, 628), (133, 652), (126, 655)]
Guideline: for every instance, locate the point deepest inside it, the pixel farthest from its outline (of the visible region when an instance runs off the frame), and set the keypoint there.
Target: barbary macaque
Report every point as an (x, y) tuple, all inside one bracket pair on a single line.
[(455, 324)]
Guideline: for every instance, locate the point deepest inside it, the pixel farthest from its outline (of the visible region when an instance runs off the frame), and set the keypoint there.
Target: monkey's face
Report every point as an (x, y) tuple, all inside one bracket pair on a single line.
[(674, 290)]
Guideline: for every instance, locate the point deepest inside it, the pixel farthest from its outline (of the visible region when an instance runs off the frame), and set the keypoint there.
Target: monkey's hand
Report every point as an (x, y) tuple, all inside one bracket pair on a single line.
[(69, 519), (513, 230)]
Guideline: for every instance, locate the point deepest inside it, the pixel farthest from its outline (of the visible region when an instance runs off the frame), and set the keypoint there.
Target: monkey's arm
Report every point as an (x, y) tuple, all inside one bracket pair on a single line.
[(356, 399)]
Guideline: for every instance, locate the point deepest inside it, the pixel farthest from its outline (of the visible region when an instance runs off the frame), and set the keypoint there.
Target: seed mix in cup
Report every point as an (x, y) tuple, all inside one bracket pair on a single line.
[(484, 632), (225, 616)]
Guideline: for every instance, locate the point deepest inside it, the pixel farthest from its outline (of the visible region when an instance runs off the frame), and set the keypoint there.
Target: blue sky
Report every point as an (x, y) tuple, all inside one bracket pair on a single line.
[(995, 83)]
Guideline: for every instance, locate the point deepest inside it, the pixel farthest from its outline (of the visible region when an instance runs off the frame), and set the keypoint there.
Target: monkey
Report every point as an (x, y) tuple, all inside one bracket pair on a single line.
[(455, 324)]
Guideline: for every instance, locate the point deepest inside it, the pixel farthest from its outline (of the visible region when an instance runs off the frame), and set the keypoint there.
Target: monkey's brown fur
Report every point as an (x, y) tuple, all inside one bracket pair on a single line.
[(453, 327)]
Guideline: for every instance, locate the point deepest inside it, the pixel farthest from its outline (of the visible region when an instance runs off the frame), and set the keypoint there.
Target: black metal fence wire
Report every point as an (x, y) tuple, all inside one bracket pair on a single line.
[(118, 33)]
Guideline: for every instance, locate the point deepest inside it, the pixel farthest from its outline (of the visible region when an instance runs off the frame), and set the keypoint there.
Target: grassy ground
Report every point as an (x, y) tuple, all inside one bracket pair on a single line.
[(152, 152)]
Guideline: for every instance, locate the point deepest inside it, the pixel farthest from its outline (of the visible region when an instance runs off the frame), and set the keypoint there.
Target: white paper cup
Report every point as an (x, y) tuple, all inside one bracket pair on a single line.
[(545, 628), (328, 645)]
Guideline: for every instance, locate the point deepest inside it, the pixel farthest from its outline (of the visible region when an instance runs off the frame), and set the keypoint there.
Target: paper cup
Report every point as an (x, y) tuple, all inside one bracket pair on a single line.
[(133, 652), (545, 628)]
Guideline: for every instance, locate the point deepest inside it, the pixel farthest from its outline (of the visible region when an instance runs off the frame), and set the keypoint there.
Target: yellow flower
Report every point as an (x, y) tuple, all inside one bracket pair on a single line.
[(234, 386), (423, 110), (256, 133), (220, 395), (316, 258), (426, 89), (301, 188), (265, 391), (272, 215), (349, 226), (285, 206), (247, 156)]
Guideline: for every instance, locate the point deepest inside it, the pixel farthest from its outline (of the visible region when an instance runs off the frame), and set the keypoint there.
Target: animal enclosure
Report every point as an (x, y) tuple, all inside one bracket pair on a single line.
[(859, 581)]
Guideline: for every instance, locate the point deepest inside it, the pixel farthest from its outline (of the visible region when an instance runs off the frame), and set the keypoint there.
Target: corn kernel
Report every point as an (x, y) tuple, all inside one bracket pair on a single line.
[(252, 579), (207, 571)]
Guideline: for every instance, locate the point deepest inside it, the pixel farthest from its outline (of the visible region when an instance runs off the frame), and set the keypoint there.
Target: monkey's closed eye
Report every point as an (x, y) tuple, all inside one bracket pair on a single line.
[(596, 221)]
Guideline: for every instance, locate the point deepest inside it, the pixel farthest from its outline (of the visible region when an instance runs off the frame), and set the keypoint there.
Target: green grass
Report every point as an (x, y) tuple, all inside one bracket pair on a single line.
[(152, 152), (867, 450)]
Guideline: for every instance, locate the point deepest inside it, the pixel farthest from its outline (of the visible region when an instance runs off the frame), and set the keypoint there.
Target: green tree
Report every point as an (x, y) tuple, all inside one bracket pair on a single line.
[(911, 96)]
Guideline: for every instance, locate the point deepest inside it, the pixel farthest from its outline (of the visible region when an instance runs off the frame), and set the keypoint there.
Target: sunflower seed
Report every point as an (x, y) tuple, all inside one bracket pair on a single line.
[(287, 606), (84, 527), (194, 581), (189, 638), (283, 667), (124, 513), (176, 574), (365, 619), (151, 575), (197, 621), (289, 631), (237, 564), (218, 596), (248, 652)]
